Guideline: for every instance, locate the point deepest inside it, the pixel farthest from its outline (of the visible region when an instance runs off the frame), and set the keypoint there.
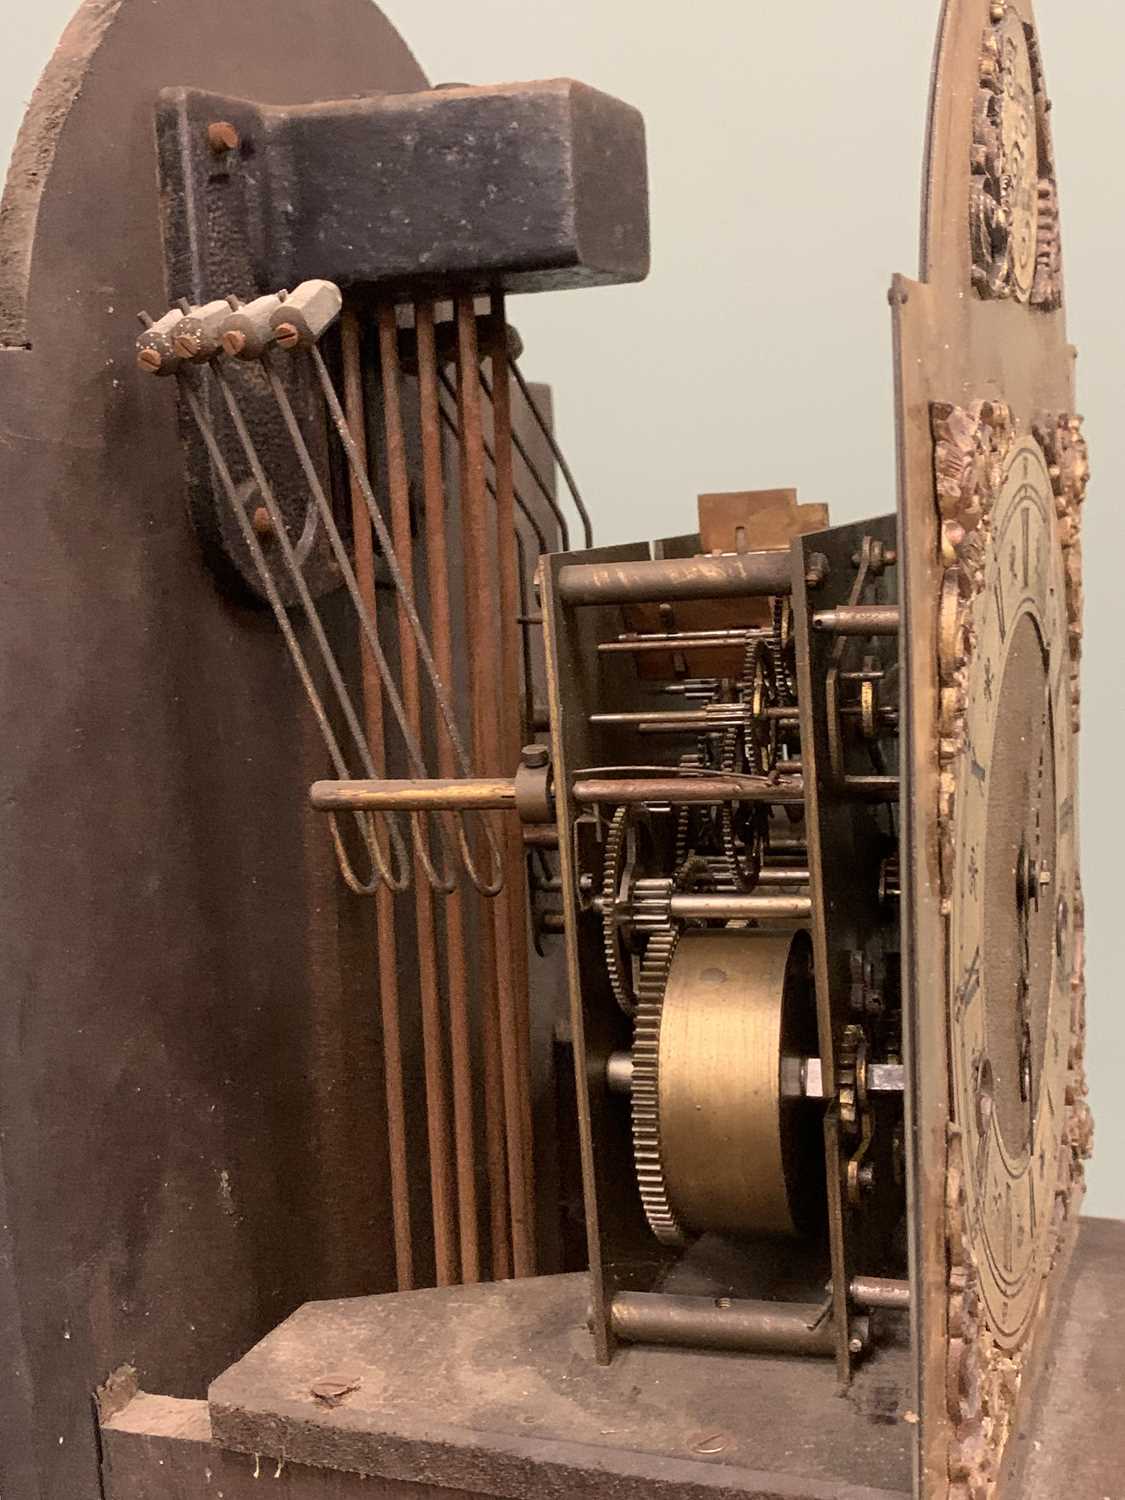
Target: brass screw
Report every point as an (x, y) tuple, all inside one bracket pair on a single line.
[(234, 342), (149, 359), (261, 521), (997, 10), (222, 137), (186, 346), (288, 335)]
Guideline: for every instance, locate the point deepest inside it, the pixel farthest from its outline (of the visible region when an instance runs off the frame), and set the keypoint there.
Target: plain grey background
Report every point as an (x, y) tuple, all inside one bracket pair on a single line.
[(785, 147)]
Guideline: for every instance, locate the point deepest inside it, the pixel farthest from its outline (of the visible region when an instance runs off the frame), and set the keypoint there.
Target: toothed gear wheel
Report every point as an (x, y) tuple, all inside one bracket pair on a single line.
[(652, 904), (619, 883), (753, 747), (782, 650), (694, 760), (646, 1088)]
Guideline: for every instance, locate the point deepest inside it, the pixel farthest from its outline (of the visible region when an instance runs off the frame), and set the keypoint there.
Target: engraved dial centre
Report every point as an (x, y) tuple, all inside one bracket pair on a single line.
[(1017, 875)]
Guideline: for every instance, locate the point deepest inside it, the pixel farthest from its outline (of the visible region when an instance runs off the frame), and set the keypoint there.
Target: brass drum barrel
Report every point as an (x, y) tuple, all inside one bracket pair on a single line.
[(736, 1001)]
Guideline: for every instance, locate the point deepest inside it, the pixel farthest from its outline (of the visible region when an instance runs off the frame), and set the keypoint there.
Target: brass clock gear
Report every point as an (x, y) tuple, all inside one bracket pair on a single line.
[(619, 934), (750, 746), (647, 1151)]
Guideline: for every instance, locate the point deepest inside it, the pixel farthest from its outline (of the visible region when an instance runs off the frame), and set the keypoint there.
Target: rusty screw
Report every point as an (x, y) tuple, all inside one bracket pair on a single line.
[(149, 359), (261, 521), (222, 137), (288, 335)]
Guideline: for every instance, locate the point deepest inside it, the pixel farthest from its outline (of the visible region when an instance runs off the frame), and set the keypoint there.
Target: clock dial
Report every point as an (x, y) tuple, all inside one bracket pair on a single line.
[(1013, 893)]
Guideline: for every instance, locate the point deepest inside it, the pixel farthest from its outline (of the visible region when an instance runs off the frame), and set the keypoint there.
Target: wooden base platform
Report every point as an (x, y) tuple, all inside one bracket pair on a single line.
[(492, 1390)]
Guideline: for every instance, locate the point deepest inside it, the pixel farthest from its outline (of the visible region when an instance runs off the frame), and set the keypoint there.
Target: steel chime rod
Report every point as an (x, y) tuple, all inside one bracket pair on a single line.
[(433, 1039), (387, 945), (480, 540), (457, 977), (507, 558), (433, 414)]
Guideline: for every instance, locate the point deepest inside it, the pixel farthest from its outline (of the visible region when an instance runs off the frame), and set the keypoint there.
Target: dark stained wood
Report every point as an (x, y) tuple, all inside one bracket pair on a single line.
[(496, 1388), (160, 1448), (192, 1138), (515, 186), (510, 1393)]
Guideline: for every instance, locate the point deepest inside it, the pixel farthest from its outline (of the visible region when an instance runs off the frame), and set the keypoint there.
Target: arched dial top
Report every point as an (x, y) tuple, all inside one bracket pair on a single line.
[(1002, 236), (1013, 895)]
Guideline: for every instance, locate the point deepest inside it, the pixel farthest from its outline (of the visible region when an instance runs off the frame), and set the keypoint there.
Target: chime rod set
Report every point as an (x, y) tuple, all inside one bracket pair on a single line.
[(293, 321), (201, 336)]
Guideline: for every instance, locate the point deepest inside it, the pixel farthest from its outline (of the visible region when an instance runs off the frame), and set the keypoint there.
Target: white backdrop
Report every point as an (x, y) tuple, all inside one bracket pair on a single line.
[(785, 147)]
